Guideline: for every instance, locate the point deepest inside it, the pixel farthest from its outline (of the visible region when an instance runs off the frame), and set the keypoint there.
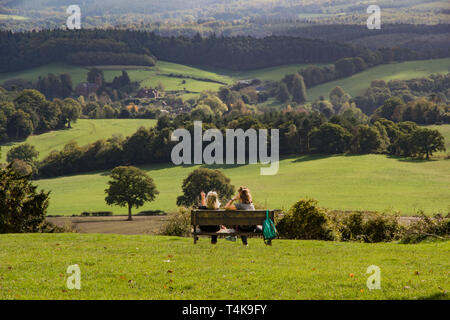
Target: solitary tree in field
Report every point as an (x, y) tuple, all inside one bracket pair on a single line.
[(130, 186), (426, 141)]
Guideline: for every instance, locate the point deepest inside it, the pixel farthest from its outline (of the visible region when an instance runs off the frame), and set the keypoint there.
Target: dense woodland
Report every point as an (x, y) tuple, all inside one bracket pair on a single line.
[(25, 50)]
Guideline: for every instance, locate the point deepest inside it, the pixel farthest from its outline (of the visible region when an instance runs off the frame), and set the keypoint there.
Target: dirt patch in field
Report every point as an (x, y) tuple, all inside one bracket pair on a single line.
[(112, 224)]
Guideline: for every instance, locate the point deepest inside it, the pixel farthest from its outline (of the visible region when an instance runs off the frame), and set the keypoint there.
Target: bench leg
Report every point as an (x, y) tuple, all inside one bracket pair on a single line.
[(195, 235)]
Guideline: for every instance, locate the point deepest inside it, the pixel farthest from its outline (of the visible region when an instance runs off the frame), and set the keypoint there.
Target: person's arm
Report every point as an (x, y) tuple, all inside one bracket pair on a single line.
[(230, 205), (202, 195)]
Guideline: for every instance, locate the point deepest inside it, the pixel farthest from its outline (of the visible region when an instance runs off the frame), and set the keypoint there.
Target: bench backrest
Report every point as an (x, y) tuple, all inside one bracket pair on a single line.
[(235, 217)]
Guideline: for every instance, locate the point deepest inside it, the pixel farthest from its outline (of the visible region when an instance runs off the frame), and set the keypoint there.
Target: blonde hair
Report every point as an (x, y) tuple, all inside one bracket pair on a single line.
[(212, 200), (244, 195)]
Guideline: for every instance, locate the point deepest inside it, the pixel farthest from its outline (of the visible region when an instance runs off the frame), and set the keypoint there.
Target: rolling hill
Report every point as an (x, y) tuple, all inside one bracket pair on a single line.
[(359, 182), (84, 131)]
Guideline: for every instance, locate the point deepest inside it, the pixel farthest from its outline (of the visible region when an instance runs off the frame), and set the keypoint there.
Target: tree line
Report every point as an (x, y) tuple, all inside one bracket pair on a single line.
[(300, 133), (28, 112), (30, 49)]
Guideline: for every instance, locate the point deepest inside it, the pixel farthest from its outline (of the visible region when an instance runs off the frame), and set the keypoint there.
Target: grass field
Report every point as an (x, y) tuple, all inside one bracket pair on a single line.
[(33, 266), (358, 83), (84, 131), (367, 182)]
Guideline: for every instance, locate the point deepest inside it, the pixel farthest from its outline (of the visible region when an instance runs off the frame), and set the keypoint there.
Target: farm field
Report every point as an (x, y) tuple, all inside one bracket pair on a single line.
[(84, 131), (33, 266), (358, 83), (365, 182)]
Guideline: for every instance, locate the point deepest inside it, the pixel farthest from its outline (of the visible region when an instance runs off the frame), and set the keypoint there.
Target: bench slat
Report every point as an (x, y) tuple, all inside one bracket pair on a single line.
[(222, 217)]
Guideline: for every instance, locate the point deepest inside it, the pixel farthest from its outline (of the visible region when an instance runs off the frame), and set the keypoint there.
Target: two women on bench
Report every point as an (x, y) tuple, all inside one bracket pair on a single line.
[(211, 202)]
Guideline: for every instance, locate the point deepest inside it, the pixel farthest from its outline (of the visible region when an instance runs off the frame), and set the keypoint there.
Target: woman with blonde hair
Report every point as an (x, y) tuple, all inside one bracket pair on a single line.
[(245, 203), (210, 202)]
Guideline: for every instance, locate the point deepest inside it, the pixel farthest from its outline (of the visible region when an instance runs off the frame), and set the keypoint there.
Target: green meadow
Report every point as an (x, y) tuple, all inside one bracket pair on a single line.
[(84, 131), (354, 182), (33, 266), (358, 83)]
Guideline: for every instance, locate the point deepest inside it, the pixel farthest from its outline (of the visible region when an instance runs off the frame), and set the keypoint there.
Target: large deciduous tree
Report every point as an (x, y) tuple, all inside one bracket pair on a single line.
[(206, 180), (131, 187)]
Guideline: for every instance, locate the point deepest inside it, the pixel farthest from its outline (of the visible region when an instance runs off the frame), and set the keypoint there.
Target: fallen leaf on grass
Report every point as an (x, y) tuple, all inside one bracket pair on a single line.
[(169, 271), (351, 275), (416, 273), (123, 278)]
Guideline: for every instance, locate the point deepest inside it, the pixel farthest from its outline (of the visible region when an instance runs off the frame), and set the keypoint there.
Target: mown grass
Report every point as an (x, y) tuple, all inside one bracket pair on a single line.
[(366, 182), (33, 266), (84, 131)]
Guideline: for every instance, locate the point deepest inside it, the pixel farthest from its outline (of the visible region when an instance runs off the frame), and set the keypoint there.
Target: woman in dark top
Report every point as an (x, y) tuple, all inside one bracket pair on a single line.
[(245, 203)]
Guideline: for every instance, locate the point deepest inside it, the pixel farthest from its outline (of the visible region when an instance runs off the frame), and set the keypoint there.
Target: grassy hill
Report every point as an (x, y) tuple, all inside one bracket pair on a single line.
[(358, 83), (366, 182), (84, 131), (154, 267)]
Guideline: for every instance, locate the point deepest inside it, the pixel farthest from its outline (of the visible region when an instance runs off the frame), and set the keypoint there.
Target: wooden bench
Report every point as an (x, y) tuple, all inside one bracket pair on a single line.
[(228, 218)]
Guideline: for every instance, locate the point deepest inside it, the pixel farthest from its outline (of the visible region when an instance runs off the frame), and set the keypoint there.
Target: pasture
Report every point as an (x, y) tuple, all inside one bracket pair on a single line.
[(33, 266), (358, 83), (84, 131), (353, 182)]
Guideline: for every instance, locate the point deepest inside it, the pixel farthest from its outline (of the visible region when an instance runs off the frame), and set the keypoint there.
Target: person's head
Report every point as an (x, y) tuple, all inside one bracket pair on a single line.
[(244, 195), (212, 200)]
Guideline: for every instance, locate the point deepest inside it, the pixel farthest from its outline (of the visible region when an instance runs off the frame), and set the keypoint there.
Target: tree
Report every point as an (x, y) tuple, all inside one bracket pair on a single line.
[(367, 139), (20, 125), (387, 109), (330, 138), (282, 92), (426, 141), (93, 74), (298, 89), (70, 111), (25, 152), (130, 186), (206, 180), (22, 209)]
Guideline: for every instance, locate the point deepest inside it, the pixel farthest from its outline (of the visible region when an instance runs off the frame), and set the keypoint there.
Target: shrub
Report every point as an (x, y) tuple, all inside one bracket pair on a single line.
[(366, 226), (178, 223), (305, 220), (426, 228)]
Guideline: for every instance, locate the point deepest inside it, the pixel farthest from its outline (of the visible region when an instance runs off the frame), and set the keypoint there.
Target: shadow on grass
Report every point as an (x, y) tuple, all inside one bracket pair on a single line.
[(436, 296), (410, 159)]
